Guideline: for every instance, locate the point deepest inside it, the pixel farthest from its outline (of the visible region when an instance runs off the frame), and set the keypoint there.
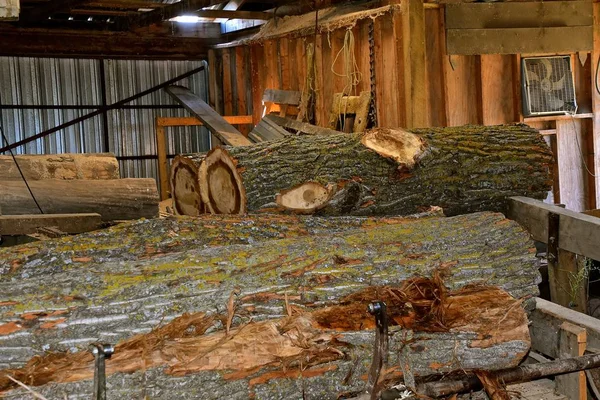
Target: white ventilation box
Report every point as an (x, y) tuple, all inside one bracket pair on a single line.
[(548, 86)]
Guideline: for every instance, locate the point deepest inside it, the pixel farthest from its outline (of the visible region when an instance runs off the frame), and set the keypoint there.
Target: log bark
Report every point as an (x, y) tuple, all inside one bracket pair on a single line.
[(386, 172), (60, 166), (58, 301), (261, 357), (113, 199)]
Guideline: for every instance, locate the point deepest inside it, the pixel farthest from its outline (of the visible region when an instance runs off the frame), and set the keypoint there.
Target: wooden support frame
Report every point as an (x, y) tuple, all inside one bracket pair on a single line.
[(68, 223), (344, 106), (161, 143)]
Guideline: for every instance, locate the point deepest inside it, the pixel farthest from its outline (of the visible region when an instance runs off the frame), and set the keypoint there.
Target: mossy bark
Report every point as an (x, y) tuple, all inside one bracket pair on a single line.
[(464, 169), (58, 301)]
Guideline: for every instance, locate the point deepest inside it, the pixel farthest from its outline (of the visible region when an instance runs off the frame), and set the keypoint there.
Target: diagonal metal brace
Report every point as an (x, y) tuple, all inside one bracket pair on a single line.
[(380, 350)]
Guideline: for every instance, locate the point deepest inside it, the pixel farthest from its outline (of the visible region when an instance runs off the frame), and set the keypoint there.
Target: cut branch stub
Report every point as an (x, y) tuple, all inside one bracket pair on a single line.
[(306, 197), (404, 147), (185, 189), (220, 183)]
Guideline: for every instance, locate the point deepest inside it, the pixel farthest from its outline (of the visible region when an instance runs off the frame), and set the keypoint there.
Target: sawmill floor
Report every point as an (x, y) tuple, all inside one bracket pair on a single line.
[(543, 389)]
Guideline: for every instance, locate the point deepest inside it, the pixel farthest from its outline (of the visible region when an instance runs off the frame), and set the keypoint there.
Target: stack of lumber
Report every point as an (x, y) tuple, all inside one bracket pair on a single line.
[(382, 172), (74, 183), (264, 307)]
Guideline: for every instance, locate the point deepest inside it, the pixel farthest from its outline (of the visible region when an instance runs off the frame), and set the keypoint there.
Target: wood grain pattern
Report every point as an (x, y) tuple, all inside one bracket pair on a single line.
[(497, 89)]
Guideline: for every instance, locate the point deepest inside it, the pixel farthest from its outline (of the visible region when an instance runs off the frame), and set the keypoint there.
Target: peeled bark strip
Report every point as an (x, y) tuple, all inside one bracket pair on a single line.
[(386, 172), (185, 189), (261, 355), (60, 166), (113, 199), (58, 303), (220, 185)]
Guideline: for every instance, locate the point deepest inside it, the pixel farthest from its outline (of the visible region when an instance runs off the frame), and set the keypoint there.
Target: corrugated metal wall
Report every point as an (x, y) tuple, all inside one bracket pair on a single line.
[(78, 82)]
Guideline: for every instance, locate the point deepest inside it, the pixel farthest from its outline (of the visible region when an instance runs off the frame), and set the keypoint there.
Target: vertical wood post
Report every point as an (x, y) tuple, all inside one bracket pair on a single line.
[(596, 99), (161, 151), (572, 343), (415, 68)]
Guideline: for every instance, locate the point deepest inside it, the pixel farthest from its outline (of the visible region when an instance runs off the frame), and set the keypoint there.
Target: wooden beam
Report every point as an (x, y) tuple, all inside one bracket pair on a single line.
[(213, 121), (192, 121), (164, 13), (59, 43), (518, 15), (578, 233), (596, 101), (68, 223), (252, 15), (415, 66), (42, 12), (566, 39), (572, 343), (282, 96)]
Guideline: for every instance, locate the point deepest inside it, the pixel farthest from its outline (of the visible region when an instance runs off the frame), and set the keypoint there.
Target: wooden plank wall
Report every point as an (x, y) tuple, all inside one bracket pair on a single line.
[(473, 89)]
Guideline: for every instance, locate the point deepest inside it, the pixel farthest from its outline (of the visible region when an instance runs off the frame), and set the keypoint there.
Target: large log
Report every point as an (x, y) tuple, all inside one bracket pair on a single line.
[(59, 166), (386, 172), (78, 291), (113, 199), (319, 354)]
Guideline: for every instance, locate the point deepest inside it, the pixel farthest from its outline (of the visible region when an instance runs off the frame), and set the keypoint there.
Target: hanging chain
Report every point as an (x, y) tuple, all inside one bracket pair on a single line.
[(372, 108)]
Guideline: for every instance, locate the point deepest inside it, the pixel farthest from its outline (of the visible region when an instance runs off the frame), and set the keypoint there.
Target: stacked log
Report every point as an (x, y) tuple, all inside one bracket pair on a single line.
[(383, 172), (246, 311), (74, 183)]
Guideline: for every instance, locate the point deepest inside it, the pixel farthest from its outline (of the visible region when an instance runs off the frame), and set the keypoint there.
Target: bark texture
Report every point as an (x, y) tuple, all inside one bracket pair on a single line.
[(461, 169), (260, 358), (100, 288), (59, 166), (113, 199)]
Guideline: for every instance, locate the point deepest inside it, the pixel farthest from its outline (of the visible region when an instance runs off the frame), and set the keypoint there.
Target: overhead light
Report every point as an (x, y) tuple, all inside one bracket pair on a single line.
[(70, 18), (186, 19)]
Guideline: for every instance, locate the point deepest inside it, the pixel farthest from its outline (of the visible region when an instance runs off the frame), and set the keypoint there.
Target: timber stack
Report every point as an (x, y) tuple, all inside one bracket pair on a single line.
[(383, 172), (74, 183), (264, 306)]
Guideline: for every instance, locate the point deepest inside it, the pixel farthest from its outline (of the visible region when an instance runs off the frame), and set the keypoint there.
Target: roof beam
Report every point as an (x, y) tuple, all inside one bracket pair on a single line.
[(164, 13), (255, 15), (31, 42), (42, 12)]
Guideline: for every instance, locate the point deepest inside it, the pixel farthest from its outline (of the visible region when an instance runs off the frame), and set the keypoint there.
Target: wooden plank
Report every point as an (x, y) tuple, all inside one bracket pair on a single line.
[(212, 71), (518, 14), (301, 127), (267, 131), (497, 89), (68, 223), (213, 121), (257, 80), (282, 96), (578, 232), (271, 65), (566, 39), (227, 83), (462, 98), (242, 84), (161, 152), (415, 66), (572, 343), (436, 85), (546, 321), (571, 170), (327, 87), (191, 121), (596, 101), (285, 66), (320, 114), (394, 94)]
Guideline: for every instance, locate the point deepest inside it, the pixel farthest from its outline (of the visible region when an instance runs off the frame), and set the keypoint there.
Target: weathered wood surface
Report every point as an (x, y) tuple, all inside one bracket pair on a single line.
[(110, 285), (59, 166), (114, 199), (266, 359), (461, 169), (68, 223)]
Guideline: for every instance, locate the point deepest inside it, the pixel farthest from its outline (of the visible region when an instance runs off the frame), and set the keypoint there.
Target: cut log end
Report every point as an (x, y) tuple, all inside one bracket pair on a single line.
[(185, 188), (305, 198), (221, 185), (403, 147)]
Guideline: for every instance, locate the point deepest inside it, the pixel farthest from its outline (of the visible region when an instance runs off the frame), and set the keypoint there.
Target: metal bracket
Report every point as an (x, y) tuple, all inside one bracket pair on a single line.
[(101, 352), (380, 350)]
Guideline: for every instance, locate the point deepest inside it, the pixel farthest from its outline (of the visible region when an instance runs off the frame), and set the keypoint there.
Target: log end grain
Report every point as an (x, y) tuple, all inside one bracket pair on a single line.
[(305, 198), (185, 188), (221, 184)]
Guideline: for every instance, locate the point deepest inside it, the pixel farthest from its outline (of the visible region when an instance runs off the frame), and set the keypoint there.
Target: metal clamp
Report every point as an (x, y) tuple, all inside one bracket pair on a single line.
[(380, 350), (101, 352)]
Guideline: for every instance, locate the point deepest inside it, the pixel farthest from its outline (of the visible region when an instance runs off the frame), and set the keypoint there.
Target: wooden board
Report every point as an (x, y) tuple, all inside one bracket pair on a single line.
[(497, 89), (596, 101), (415, 69), (213, 121), (572, 343), (566, 39), (518, 14), (571, 170), (68, 223), (578, 232), (267, 130), (301, 127)]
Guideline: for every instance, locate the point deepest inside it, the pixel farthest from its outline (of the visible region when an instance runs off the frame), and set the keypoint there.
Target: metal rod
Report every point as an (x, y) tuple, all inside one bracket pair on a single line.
[(100, 111), (106, 136)]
